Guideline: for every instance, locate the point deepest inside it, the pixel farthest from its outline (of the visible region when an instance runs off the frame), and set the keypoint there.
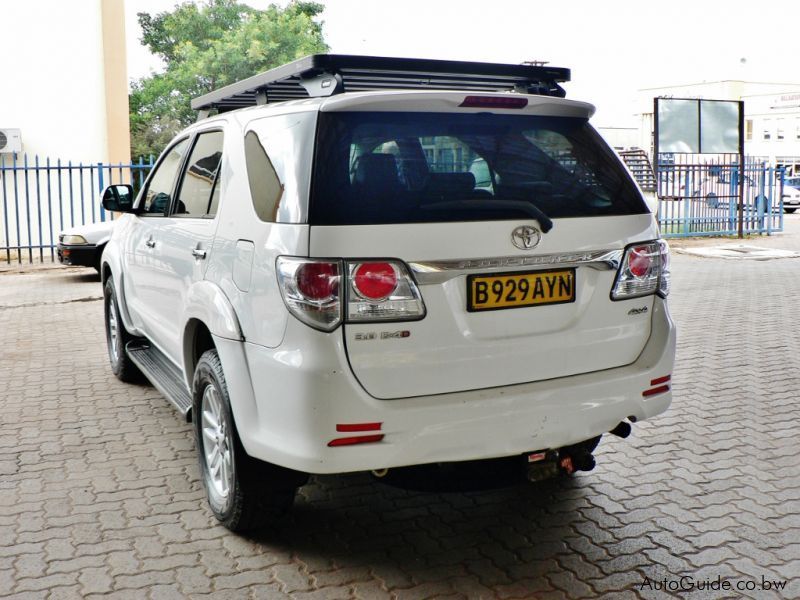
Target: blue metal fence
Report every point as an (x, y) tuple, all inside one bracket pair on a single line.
[(40, 198), (700, 199)]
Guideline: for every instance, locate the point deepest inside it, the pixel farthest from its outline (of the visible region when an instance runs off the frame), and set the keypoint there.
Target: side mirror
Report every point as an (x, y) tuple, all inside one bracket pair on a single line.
[(118, 198)]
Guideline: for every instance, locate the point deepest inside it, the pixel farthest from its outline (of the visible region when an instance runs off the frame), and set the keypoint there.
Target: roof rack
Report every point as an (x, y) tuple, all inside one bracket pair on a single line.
[(321, 75)]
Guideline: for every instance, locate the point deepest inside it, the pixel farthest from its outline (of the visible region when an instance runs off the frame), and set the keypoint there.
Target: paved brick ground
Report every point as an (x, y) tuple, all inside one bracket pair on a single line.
[(100, 497)]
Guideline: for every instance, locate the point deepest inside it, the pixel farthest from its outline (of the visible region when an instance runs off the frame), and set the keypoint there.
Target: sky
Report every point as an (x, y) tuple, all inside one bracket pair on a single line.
[(614, 47)]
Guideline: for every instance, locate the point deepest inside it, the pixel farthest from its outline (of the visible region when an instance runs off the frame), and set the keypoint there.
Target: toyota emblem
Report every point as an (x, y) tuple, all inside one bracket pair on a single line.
[(525, 237)]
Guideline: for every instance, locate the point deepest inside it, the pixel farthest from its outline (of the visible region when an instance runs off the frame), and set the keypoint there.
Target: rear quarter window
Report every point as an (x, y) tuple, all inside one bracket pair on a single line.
[(373, 168), (278, 157)]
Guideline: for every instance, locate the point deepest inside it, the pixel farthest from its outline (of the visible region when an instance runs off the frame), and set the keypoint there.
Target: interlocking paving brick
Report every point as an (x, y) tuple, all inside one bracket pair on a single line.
[(100, 494)]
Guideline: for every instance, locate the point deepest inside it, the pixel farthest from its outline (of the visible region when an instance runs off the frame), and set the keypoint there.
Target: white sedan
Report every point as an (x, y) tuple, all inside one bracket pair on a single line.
[(83, 245)]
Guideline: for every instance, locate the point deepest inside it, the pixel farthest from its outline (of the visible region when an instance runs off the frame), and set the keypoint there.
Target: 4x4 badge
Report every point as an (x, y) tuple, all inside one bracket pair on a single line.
[(525, 237)]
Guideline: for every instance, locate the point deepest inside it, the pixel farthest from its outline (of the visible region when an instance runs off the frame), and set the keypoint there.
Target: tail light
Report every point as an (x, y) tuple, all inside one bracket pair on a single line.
[(664, 280), (310, 289), (313, 290), (382, 291), (644, 271), (375, 281)]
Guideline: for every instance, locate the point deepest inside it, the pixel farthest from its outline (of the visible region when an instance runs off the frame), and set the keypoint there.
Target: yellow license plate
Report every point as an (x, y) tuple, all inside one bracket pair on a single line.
[(515, 290)]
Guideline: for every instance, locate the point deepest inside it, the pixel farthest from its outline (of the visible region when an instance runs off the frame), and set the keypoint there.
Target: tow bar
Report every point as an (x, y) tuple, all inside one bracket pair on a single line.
[(550, 463), (545, 464)]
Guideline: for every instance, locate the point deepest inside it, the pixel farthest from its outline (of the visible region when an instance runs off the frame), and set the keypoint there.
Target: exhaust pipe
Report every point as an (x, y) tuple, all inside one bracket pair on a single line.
[(622, 430)]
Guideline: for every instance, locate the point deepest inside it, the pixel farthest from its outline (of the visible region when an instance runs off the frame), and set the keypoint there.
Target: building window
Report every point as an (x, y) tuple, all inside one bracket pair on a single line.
[(779, 133)]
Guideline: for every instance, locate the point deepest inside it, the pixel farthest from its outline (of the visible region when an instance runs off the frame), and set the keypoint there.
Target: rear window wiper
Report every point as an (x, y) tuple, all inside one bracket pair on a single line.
[(545, 222)]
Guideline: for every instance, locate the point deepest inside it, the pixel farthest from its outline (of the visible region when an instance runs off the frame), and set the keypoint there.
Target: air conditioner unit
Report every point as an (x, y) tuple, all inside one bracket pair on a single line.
[(10, 140)]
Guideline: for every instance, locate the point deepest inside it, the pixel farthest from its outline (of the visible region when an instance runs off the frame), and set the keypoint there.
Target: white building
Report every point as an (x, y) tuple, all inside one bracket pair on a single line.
[(64, 81), (64, 95)]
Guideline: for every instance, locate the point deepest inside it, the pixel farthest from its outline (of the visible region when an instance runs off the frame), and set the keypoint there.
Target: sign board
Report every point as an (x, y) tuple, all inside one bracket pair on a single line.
[(699, 126)]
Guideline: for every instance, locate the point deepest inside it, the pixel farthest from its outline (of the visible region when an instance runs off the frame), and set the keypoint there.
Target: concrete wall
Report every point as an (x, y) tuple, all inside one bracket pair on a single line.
[(64, 78), (64, 84)]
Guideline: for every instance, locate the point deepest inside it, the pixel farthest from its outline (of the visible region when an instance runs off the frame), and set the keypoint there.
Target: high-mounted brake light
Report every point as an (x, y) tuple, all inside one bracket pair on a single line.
[(494, 102), (644, 271)]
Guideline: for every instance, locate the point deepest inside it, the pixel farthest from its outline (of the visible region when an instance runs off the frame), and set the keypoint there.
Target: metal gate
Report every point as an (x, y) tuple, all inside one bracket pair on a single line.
[(39, 198), (696, 199)]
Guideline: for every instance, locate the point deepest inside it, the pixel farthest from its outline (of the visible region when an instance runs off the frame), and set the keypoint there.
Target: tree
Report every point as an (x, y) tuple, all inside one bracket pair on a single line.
[(206, 46)]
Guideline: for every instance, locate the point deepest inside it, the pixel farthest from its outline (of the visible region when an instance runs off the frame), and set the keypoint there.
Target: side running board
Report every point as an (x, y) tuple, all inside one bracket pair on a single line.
[(164, 376)]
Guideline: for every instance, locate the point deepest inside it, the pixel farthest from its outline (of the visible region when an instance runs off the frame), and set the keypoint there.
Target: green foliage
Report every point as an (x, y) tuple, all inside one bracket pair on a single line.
[(206, 46)]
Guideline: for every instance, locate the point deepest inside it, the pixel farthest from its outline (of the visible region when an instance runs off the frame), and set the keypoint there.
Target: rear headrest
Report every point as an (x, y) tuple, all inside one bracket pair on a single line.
[(376, 172), (458, 183)]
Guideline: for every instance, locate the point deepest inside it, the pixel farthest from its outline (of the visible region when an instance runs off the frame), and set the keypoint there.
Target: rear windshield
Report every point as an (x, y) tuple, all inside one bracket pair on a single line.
[(390, 167)]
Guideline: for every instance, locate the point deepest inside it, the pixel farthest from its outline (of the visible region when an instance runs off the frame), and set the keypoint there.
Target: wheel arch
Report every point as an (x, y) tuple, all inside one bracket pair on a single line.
[(208, 313), (108, 271), (197, 339)]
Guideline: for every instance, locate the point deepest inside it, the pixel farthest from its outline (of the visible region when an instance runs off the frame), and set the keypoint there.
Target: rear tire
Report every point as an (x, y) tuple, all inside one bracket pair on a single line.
[(117, 337), (789, 210), (243, 493)]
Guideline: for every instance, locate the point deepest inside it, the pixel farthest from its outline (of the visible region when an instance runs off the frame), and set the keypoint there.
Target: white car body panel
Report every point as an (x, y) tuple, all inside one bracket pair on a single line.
[(438, 101), (454, 350), (305, 388)]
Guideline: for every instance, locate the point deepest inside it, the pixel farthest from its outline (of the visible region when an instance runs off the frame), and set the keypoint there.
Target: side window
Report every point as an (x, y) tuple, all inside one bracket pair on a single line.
[(266, 188), (158, 194), (199, 191)]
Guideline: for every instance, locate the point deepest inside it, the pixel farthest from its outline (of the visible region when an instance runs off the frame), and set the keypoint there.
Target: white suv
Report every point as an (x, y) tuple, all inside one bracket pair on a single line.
[(322, 286)]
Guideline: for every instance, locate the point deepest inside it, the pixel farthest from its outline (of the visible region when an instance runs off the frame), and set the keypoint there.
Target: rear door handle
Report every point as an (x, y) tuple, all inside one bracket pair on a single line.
[(198, 253)]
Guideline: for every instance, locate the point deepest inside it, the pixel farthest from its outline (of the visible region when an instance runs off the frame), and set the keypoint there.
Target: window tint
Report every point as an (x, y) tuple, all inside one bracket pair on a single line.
[(199, 194), (422, 167), (265, 187), (158, 194)]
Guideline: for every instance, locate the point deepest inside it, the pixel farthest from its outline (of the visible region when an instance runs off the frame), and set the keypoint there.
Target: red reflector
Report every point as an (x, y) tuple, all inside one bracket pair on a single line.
[(347, 427), (659, 390), (318, 280), (357, 439), (639, 261), (536, 457), (494, 102), (660, 380), (375, 281)]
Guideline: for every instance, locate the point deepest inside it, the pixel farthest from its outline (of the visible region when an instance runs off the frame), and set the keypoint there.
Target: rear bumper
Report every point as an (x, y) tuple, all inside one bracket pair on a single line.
[(81, 256), (299, 396)]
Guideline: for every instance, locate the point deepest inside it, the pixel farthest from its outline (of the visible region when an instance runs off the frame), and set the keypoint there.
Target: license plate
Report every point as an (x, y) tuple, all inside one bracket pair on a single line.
[(516, 290)]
